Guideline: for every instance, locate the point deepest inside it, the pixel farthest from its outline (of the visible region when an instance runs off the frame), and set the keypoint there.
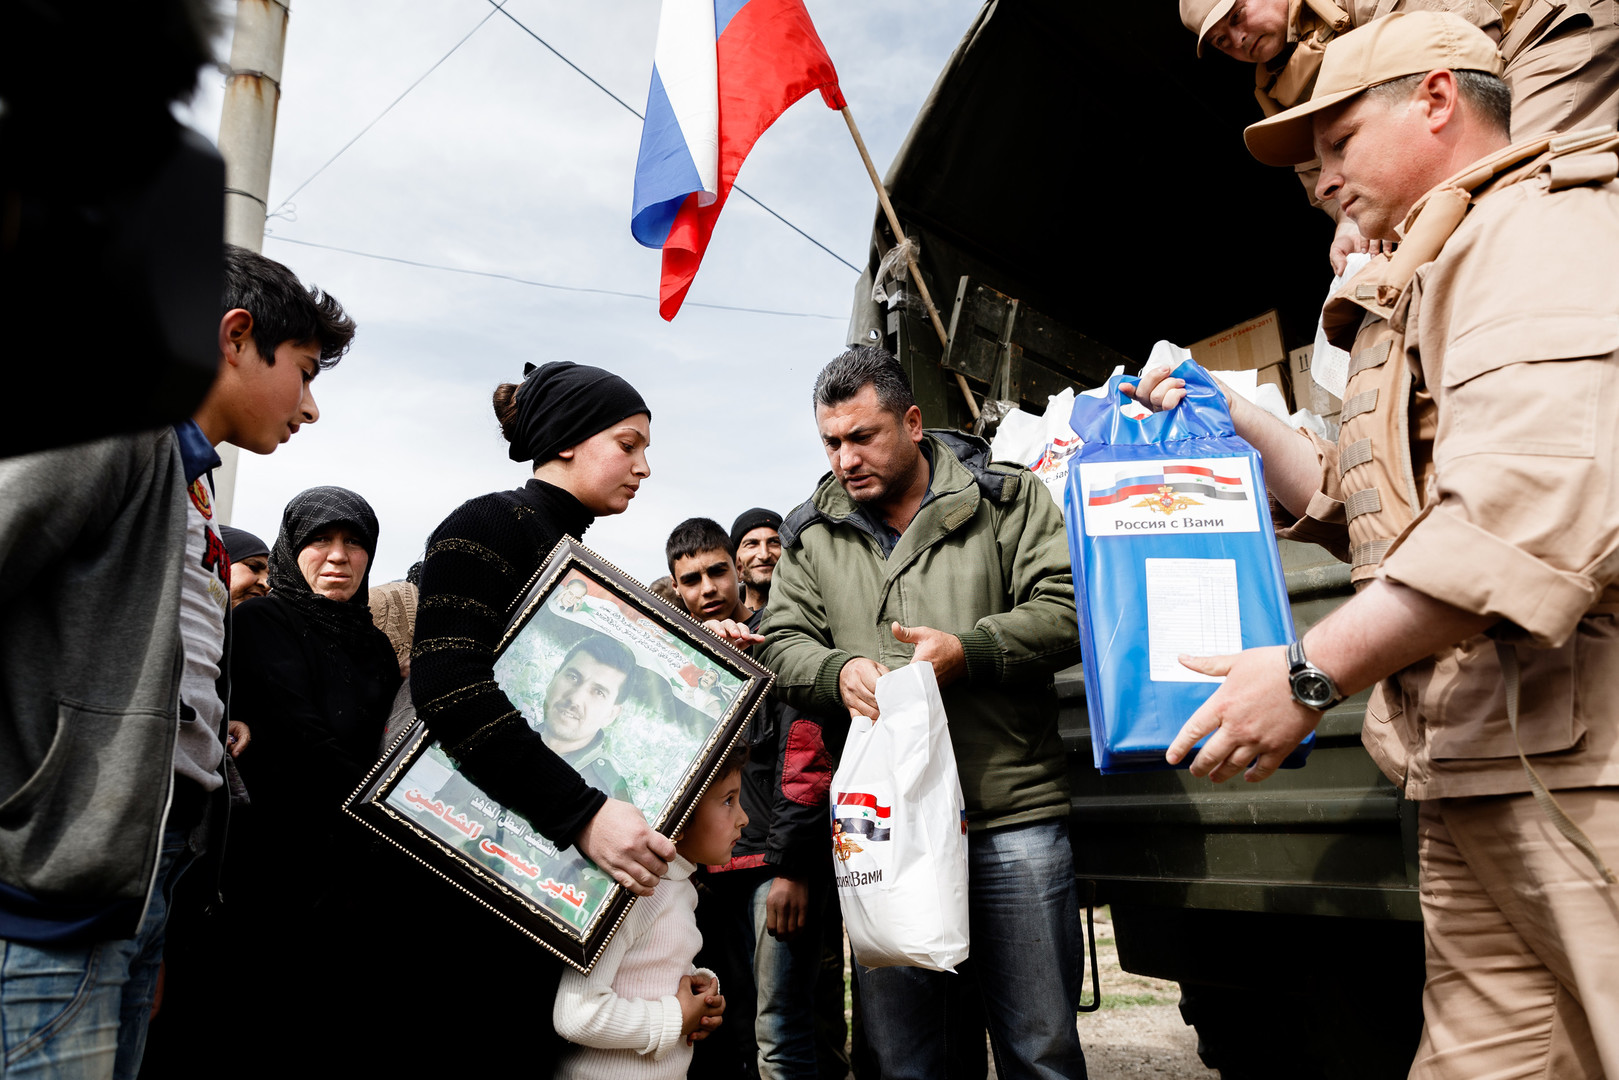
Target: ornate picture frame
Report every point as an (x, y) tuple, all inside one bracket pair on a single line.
[(651, 735)]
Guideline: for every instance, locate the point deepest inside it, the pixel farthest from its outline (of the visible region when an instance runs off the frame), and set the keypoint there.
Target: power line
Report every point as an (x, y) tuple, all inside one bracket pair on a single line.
[(389, 109), (588, 78), (633, 111), (541, 284)]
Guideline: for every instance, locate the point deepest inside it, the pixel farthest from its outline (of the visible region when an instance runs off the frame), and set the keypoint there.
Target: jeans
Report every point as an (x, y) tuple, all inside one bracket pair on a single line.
[(1027, 959), (81, 1011), (784, 975)]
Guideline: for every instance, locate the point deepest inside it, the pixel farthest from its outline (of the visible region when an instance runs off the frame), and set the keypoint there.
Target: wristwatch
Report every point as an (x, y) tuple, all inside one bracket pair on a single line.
[(1312, 687)]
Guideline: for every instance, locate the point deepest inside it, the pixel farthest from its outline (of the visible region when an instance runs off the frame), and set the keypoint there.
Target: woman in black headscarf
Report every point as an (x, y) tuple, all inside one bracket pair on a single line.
[(308, 663), (586, 431), (314, 680)]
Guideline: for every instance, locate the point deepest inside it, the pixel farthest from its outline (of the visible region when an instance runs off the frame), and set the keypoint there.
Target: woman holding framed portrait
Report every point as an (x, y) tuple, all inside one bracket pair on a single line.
[(586, 431)]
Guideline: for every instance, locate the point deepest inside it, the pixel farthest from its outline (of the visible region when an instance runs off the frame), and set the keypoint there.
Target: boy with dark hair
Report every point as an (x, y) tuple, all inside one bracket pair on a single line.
[(763, 919), (114, 594), (703, 565)]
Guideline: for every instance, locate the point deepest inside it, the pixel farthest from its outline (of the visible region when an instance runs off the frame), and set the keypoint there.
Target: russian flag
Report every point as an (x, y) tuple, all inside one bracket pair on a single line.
[(724, 70)]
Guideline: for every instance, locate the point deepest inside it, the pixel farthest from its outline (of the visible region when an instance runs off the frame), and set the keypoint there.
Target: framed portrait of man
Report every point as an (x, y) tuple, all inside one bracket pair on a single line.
[(630, 691)]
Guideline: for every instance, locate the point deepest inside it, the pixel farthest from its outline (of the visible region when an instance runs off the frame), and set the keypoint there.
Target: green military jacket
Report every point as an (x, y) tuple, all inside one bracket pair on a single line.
[(985, 559)]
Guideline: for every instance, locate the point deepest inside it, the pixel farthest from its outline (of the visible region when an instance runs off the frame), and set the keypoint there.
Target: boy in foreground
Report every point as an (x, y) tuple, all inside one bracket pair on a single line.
[(114, 589)]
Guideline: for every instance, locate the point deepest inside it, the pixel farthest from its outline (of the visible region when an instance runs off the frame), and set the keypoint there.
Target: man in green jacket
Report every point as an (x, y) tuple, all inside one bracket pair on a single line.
[(915, 548)]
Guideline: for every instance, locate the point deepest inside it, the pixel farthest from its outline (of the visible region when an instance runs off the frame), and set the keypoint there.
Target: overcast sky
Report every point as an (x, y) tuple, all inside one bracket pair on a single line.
[(505, 160)]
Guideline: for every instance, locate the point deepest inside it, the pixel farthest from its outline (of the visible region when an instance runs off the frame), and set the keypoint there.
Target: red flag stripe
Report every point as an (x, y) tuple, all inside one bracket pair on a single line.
[(1200, 471), (857, 798), (769, 57)]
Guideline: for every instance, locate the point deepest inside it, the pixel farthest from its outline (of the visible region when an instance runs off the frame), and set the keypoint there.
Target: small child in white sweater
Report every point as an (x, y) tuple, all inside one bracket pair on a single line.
[(635, 1015)]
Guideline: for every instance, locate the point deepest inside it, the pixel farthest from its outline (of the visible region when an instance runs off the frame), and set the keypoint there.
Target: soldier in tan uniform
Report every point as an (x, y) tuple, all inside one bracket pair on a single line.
[(1561, 57), (1475, 487)]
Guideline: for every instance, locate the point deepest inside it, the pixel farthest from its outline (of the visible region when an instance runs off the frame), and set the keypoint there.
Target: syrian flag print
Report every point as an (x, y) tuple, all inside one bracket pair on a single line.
[(859, 814)]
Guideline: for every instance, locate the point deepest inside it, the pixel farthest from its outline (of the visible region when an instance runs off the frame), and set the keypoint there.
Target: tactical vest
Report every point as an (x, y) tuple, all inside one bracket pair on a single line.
[(1527, 22), (1313, 24), (1379, 486), (1388, 423)]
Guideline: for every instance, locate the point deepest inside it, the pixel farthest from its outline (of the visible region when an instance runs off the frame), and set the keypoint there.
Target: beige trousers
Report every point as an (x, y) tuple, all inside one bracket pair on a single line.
[(1570, 81), (1522, 941)]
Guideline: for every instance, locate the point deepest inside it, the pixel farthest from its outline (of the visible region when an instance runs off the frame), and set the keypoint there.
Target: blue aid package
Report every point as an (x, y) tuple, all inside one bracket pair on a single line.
[(1169, 530)]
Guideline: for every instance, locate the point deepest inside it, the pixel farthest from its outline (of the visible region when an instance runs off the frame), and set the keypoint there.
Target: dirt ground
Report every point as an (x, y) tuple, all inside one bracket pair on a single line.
[(1138, 1031)]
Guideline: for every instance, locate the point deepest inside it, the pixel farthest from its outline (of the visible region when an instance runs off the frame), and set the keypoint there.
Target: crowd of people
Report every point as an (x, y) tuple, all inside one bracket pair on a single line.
[(184, 708), (239, 884)]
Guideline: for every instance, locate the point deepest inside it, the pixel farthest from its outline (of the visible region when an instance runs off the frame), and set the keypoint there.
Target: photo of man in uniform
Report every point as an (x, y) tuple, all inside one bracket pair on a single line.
[(571, 595), (584, 696)]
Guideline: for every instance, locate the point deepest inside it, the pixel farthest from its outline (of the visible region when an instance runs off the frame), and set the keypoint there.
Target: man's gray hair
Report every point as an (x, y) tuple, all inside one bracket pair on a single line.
[(860, 367), (1486, 94)]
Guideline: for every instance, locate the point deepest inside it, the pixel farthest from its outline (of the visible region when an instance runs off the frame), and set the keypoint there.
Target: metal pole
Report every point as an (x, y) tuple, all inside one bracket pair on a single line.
[(899, 238), (247, 125), (247, 141)]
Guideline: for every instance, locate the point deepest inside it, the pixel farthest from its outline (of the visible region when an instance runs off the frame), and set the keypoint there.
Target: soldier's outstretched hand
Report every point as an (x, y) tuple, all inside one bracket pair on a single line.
[(1255, 720), (1157, 389), (1348, 241)]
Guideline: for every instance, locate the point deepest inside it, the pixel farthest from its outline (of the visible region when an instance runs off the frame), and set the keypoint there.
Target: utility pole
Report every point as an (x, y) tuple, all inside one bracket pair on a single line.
[(247, 142)]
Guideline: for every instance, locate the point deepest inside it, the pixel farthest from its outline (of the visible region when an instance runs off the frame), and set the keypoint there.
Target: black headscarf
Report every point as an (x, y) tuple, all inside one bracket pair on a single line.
[(241, 544), (561, 404), (347, 623)]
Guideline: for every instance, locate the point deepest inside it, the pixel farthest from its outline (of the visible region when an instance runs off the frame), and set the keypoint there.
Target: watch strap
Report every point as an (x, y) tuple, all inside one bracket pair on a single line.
[(1297, 665)]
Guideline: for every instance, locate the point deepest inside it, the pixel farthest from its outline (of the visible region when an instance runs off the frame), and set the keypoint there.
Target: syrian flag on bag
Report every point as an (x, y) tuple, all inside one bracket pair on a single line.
[(859, 814), (724, 70)]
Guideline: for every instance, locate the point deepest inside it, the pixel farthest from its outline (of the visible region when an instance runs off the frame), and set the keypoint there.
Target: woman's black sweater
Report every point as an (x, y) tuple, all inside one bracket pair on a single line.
[(479, 563)]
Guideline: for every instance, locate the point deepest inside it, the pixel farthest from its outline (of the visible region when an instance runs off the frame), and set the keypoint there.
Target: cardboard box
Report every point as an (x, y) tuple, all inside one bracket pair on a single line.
[(1306, 393), (1253, 345)]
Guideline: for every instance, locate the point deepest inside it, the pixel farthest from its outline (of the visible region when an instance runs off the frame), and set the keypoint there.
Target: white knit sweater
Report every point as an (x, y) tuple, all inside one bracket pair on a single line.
[(624, 1016)]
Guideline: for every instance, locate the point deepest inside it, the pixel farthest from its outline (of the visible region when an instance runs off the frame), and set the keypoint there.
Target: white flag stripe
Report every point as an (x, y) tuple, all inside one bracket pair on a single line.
[(688, 65)]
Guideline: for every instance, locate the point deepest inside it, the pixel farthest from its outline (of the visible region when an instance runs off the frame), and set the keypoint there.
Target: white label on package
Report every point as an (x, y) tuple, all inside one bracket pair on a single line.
[(1174, 497), (1192, 610)]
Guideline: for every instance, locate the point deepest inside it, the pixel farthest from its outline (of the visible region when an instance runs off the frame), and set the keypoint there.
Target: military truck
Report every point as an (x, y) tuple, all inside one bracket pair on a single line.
[(1078, 187)]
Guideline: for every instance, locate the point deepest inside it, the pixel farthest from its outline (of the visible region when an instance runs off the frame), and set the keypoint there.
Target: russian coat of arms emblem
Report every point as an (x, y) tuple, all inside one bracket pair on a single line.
[(1165, 501)]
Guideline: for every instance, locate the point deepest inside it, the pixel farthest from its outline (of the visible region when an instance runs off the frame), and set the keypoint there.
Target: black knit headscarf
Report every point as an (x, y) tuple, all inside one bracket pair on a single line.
[(561, 404), (346, 624), (241, 544)]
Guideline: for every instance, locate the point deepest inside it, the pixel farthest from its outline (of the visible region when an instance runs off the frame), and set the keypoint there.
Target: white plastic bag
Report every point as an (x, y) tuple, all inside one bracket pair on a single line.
[(899, 830), (1044, 443), (1329, 365)]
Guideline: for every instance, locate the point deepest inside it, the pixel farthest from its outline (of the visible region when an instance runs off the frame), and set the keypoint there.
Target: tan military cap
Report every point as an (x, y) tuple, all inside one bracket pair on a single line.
[(1405, 43), (1201, 15)]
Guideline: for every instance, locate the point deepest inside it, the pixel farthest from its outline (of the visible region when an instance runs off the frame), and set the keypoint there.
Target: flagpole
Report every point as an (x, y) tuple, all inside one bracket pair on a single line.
[(910, 260)]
